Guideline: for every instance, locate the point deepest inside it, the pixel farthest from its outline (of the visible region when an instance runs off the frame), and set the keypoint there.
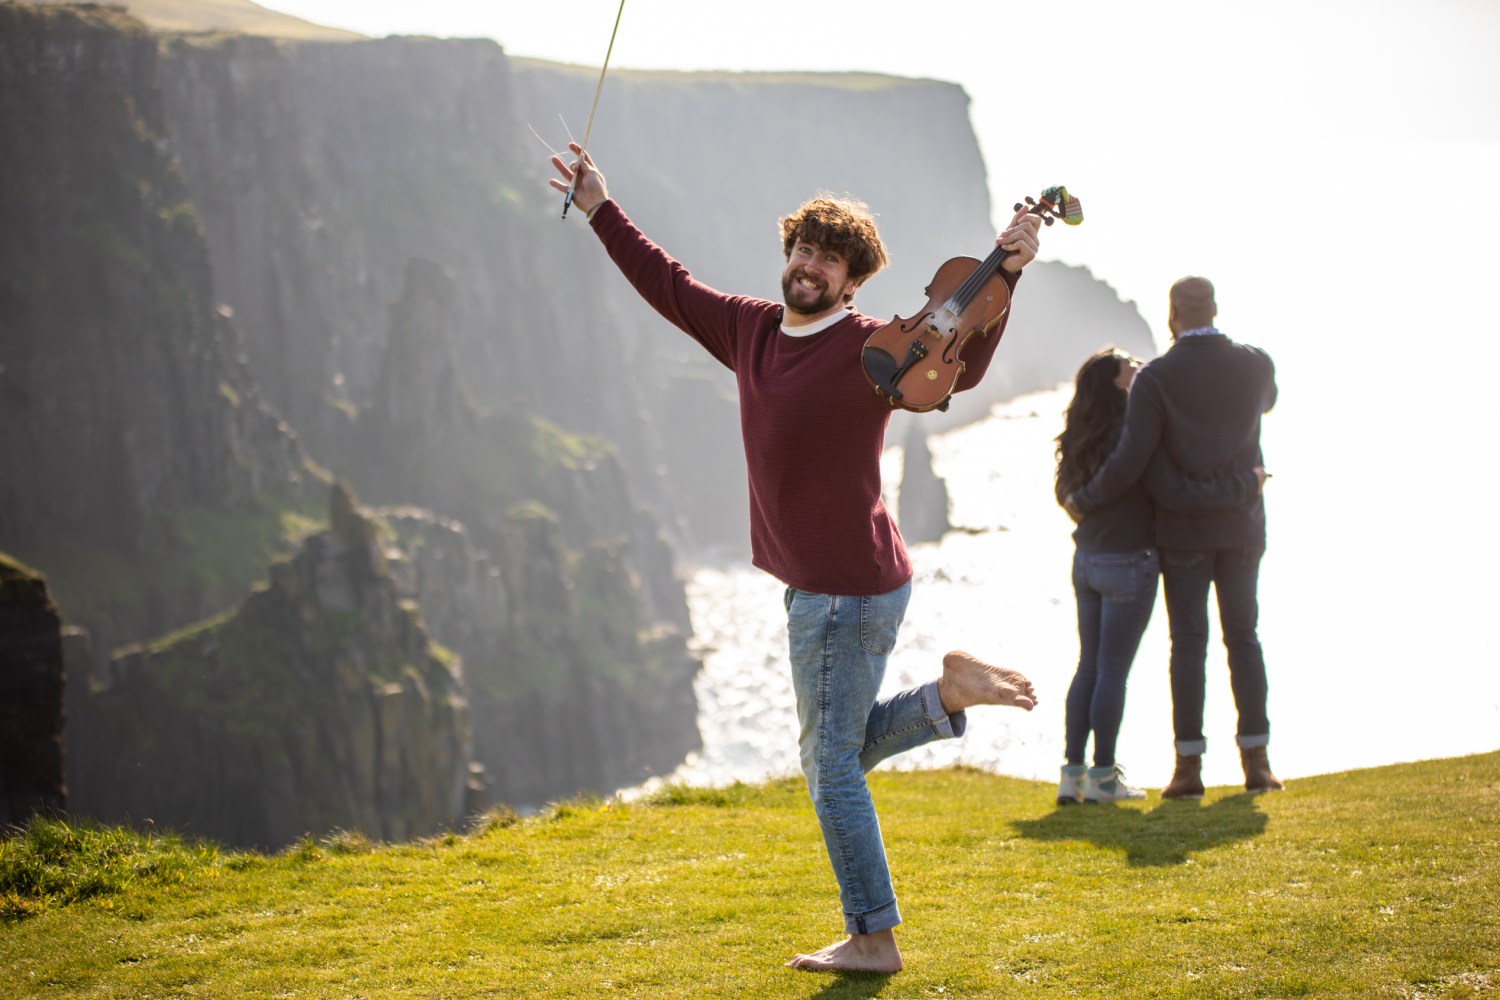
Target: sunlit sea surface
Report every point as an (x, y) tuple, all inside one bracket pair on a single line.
[(1366, 668)]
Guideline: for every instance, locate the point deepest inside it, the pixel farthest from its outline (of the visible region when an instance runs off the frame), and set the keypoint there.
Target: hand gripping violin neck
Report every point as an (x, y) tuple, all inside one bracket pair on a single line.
[(914, 363)]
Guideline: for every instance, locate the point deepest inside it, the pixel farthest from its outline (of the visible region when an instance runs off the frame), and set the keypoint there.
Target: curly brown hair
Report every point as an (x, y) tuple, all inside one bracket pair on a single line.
[(843, 225), (1098, 407)]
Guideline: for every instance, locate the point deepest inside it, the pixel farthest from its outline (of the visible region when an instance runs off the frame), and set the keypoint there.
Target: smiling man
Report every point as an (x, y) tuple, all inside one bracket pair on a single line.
[(813, 432)]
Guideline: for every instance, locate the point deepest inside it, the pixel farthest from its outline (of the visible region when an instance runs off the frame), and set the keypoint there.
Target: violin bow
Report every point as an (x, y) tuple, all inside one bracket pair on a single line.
[(584, 145)]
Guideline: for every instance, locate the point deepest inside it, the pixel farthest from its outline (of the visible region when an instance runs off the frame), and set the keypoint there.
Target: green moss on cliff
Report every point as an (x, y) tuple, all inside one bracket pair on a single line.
[(551, 445), (531, 510), (198, 557), (13, 569), (227, 675), (20, 584), (227, 551), (166, 645)]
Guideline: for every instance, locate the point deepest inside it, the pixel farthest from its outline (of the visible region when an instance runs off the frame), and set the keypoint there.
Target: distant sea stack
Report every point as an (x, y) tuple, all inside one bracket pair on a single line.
[(923, 504)]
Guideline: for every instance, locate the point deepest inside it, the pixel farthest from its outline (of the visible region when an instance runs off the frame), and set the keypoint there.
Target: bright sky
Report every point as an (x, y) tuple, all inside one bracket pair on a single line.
[(1197, 129)]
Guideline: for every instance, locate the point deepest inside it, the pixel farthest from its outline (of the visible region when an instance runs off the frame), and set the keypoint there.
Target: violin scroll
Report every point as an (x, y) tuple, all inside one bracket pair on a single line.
[(1052, 199)]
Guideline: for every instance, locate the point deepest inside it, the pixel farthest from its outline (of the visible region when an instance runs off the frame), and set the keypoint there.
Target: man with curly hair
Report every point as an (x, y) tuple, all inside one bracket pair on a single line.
[(813, 433)]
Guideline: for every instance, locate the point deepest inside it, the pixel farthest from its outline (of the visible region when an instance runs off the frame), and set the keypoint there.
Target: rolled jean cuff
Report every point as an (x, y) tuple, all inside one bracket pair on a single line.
[(1251, 742), (946, 726), (882, 918), (1191, 748)]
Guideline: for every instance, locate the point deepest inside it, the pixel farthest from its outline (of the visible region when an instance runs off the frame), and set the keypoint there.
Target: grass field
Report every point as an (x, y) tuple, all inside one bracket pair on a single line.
[(1374, 883)]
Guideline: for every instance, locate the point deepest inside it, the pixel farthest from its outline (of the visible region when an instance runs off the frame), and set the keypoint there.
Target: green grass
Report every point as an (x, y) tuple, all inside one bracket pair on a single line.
[(227, 15), (1375, 883)]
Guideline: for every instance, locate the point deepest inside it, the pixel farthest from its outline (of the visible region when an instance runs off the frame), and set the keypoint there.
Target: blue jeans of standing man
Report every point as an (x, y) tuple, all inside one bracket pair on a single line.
[(839, 647), (1234, 574), (1116, 592)]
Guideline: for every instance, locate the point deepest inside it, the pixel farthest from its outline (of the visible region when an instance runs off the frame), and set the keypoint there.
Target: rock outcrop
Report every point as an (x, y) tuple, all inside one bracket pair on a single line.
[(319, 704), (565, 693), (923, 506), (31, 697)]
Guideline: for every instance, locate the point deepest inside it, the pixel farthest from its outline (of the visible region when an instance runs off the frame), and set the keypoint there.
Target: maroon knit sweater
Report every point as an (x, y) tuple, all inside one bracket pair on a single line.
[(813, 426)]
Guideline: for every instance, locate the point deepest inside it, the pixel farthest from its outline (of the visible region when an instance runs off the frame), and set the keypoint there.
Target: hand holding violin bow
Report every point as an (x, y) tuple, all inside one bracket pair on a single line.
[(581, 178)]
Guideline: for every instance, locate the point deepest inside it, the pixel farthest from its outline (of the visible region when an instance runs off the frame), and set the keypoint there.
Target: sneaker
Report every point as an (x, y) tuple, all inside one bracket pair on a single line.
[(1107, 784), (1070, 787)]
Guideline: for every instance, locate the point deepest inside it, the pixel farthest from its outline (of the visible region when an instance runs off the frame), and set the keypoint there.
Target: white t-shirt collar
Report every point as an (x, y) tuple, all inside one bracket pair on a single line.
[(816, 326)]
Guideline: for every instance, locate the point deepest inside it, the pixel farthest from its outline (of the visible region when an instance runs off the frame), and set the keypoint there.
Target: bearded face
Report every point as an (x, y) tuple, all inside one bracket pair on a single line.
[(815, 281)]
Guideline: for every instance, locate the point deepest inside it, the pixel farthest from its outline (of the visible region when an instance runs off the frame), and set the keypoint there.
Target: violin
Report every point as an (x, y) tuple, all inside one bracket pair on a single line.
[(914, 363)]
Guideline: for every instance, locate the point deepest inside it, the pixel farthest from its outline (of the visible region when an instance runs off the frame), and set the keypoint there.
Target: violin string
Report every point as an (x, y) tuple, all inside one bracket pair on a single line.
[(966, 292), (972, 284)]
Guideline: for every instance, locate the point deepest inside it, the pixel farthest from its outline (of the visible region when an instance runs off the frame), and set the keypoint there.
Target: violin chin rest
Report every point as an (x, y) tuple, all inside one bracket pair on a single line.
[(880, 366)]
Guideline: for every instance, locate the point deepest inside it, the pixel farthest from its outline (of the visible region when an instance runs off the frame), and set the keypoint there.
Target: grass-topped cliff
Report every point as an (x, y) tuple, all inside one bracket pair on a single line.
[(1374, 883), (242, 16)]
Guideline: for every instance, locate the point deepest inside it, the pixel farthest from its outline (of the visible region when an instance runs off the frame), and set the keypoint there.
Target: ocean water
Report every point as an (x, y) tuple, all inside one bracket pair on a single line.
[(1377, 648)]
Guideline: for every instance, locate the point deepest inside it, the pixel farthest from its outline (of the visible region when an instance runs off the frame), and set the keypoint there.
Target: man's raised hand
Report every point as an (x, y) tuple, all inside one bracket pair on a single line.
[(590, 191)]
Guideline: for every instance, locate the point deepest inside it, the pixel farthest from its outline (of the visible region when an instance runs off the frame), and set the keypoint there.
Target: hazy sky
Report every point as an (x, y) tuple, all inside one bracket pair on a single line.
[(1186, 127)]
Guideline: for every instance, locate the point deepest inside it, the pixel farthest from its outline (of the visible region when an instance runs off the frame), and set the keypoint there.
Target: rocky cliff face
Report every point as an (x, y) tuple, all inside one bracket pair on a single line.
[(138, 455), (564, 692), (31, 696), (321, 703)]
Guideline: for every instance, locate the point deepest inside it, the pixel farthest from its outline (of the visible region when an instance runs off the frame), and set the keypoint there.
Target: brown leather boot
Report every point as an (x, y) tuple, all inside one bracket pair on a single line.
[(1187, 779), (1258, 776)]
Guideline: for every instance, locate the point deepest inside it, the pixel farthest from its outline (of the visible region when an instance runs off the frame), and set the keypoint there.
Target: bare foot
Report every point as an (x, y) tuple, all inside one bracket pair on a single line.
[(968, 681), (859, 953)]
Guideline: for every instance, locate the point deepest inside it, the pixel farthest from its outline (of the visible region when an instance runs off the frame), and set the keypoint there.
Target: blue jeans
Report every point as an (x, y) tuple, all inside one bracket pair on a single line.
[(839, 647), (1116, 592), (1234, 574)]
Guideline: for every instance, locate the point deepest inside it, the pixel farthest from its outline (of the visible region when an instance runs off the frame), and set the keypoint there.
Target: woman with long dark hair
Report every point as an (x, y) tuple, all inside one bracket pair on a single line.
[(1115, 570)]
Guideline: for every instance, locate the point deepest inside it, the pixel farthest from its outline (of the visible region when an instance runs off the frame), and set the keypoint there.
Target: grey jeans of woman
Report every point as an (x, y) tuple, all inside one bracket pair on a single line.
[(839, 647)]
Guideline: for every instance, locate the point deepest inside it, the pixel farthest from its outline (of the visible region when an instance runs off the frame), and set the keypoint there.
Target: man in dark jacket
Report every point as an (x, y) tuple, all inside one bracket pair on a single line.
[(1200, 405)]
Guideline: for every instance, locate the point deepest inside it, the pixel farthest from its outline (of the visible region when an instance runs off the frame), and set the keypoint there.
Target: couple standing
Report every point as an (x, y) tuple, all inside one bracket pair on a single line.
[(1162, 470)]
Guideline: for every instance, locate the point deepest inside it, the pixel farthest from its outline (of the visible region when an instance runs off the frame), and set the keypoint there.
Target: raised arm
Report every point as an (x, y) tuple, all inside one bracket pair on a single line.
[(1020, 238), (705, 314)]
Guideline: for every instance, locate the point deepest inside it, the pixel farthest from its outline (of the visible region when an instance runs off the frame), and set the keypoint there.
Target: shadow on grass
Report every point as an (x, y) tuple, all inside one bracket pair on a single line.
[(853, 985), (1164, 835)]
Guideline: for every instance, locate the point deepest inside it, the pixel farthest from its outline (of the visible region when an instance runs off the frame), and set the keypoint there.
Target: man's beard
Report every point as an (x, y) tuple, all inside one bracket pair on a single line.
[(826, 297)]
